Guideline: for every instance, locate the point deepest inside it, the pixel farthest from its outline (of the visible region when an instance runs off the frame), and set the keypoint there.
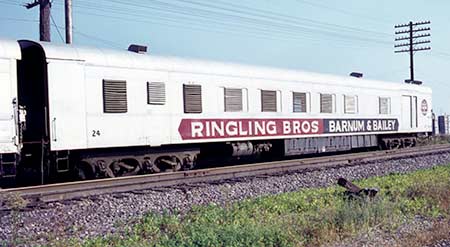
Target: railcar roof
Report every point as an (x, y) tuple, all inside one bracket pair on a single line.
[(127, 59), (9, 49)]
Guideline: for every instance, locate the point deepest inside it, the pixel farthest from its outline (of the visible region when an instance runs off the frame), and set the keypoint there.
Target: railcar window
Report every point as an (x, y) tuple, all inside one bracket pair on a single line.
[(233, 99), (299, 102), (268, 101), (326, 103), (156, 93), (350, 104), (192, 96), (384, 105), (115, 96)]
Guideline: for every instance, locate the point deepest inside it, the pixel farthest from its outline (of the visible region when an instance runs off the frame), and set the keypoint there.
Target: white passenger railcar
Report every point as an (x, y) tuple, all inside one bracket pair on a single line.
[(112, 113)]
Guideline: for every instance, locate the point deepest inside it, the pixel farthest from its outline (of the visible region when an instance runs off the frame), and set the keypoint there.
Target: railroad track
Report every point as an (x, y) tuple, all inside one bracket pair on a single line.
[(73, 190)]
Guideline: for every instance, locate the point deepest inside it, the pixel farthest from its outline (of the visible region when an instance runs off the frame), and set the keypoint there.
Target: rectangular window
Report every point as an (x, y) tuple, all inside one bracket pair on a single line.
[(233, 99), (384, 105), (326, 103), (350, 104), (192, 96), (114, 96), (268, 101), (156, 93), (299, 102)]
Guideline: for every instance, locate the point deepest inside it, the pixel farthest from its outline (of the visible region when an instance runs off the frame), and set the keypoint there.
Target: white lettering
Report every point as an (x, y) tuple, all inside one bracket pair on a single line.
[(271, 128), (216, 129), (260, 128), (315, 126), (306, 127), (242, 132), (332, 126), (196, 129), (286, 127), (231, 128), (296, 128)]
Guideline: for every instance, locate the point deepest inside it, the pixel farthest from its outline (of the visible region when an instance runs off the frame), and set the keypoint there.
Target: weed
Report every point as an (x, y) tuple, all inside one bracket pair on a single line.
[(310, 217), (15, 203)]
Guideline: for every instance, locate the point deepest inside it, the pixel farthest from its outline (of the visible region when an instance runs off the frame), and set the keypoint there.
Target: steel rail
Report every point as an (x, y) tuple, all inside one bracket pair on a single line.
[(73, 190)]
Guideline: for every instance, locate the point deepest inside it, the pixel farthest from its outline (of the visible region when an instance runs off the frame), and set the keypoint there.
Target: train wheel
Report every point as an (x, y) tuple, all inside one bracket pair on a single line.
[(168, 163), (126, 167), (150, 167), (188, 163)]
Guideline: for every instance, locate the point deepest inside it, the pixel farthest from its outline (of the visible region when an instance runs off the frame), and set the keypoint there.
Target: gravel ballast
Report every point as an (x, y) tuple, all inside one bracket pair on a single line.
[(106, 214)]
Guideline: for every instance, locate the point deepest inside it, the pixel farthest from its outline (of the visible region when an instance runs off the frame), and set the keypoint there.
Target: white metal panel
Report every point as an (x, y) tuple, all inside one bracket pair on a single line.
[(424, 115), (9, 49), (8, 136), (67, 105), (142, 124), (406, 113), (414, 112), (125, 59), (157, 117), (146, 124)]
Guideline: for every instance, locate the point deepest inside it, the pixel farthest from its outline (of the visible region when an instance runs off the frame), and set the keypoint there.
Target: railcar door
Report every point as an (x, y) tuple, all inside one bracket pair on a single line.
[(406, 121), (33, 99)]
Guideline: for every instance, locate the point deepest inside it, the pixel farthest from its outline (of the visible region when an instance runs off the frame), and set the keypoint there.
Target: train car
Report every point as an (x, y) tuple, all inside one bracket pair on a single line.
[(9, 142), (106, 113)]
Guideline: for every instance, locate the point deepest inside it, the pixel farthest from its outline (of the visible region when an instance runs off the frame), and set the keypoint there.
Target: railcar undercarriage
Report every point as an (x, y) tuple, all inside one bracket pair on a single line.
[(63, 166)]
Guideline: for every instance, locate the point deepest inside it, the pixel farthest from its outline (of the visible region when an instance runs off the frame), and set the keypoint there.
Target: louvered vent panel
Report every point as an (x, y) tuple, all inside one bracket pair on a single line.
[(350, 104), (299, 100), (156, 93), (192, 98), (233, 99), (326, 103), (115, 96), (268, 101), (384, 105)]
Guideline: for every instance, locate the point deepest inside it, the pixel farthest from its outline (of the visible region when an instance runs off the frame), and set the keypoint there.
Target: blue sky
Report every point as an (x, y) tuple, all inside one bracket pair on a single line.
[(323, 36)]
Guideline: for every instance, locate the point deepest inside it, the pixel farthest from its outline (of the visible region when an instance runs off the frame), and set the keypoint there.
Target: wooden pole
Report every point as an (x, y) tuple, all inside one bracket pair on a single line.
[(68, 10), (44, 20)]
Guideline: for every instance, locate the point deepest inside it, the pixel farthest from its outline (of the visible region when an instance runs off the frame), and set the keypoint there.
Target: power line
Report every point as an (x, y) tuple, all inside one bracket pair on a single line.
[(343, 11), (279, 28), (276, 16), (189, 11), (57, 29), (253, 33), (17, 19), (283, 34)]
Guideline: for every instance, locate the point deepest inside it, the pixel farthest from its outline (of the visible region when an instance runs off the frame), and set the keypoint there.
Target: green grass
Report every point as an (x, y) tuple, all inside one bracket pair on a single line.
[(309, 217)]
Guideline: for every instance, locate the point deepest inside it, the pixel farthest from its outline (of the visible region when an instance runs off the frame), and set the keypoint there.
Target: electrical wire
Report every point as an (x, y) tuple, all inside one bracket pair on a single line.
[(57, 29), (342, 11), (100, 8)]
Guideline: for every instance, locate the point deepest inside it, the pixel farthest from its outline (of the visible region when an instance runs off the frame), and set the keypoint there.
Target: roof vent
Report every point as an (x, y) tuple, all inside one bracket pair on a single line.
[(414, 82), (356, 74), (141, 49)]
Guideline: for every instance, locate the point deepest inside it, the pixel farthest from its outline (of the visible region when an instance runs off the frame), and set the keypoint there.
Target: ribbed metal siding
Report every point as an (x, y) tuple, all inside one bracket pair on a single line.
[(326, 103), (350, 104), (268, 101), (156, 93), (192, 97), (115, 96), (385, 105), (299, 102), (233, 99)]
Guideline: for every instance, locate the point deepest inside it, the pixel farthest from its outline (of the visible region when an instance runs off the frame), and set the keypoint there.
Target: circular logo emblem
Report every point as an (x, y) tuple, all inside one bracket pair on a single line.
[(424, 107)]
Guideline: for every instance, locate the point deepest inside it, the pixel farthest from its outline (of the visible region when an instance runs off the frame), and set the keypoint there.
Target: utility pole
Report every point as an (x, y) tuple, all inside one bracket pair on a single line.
[(68, 10), (44, 18), (413, 41)]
